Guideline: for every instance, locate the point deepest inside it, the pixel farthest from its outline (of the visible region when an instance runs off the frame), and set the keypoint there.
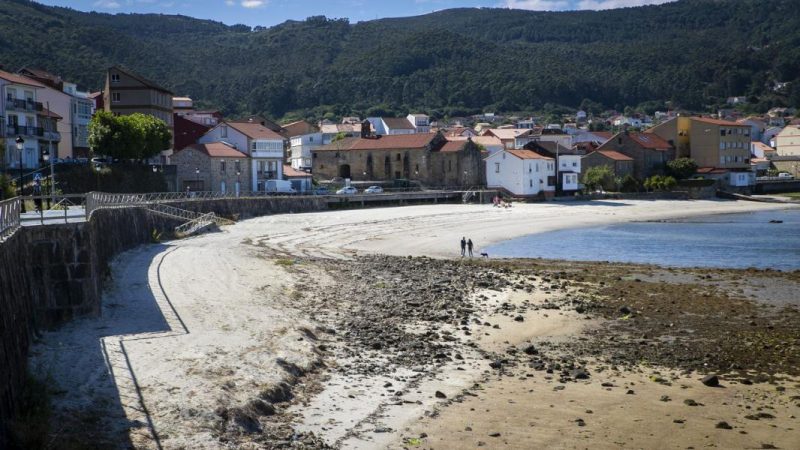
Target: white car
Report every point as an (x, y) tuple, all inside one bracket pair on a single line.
[(373, 190), (349, 190)]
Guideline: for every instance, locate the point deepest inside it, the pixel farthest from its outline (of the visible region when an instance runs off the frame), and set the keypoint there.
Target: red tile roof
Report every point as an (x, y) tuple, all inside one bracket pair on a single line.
[(726, 123), (47, 113), (217, 150), (254, 130), (291, 172), (19, 79), (650, 140), (298, 128), (527, 154), (611, 154), (711, 170), (453, 146), (418, 140)]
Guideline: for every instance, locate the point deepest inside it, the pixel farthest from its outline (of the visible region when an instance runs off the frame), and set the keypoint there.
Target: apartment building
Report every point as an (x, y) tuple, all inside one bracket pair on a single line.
[(73, 106), (20, 112)]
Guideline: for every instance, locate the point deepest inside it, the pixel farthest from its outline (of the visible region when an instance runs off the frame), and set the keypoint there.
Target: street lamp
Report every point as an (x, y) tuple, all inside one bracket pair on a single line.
[(155, 169), (238, 184), (20, 145), (196, 177)]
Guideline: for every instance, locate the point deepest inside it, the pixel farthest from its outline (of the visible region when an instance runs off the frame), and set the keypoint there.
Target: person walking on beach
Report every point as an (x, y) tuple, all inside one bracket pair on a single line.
[(469, 247), (463, 245)]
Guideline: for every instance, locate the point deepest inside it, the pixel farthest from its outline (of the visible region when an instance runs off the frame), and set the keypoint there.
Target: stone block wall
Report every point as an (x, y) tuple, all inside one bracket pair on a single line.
[(54, 273)]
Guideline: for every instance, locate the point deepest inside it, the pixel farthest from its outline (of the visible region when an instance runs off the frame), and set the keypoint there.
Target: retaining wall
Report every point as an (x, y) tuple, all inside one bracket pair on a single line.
[(51, 274)]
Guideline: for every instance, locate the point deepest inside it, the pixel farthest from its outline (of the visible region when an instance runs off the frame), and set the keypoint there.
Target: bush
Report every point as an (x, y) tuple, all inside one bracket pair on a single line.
[(630, 184), (681, 168), (660, 183)]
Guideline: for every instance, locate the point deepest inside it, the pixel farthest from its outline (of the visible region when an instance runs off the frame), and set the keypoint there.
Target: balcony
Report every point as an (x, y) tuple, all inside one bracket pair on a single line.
[(52, 135), (21, 104), (21, 130)]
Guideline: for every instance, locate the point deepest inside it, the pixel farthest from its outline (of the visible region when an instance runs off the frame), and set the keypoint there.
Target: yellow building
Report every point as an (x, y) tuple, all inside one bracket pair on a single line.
[(787, 141), (719, 144)]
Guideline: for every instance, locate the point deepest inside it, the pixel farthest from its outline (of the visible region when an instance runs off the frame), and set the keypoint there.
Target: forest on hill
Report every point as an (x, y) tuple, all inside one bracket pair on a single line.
[(691, 53)]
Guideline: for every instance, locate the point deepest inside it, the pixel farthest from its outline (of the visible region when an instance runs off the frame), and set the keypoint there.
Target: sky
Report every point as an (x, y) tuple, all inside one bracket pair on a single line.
[(272, 12)]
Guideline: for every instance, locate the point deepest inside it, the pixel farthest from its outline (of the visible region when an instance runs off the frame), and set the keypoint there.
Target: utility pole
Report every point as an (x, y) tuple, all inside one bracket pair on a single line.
[(52, 157)]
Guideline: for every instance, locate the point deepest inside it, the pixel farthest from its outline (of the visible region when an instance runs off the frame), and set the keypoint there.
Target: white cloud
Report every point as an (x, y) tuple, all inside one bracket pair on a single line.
[(612, 4), (230, 2), (538, 5), (254, 3), (108, 4)]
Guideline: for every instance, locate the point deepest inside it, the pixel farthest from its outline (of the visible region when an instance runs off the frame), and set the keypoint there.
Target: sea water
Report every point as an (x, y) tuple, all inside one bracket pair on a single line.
[(764, 239)]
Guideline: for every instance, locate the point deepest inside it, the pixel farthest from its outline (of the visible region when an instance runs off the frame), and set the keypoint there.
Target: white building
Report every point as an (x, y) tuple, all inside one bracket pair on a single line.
[(20, 109), (569, 170), (391, 125), (262, 145), (526, 124), (300, 149), (521, 172), (420, 122), (73, 106)]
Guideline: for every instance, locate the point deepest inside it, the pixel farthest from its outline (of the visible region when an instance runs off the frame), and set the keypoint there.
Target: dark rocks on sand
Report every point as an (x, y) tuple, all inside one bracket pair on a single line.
[(580, 374), (440, 394), (711, 381), (723, 425)]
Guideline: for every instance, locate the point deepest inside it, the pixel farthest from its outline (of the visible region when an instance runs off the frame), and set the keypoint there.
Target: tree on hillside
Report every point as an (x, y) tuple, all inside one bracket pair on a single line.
[(682, 168)]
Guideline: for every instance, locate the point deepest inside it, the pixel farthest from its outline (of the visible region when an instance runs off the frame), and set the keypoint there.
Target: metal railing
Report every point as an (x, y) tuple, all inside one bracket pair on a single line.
[(53, 209), (9, 217), (23, 104), (24, 130)]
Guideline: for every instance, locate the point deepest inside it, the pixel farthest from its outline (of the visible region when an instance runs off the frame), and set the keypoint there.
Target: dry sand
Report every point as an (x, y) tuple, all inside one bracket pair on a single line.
[(202, 323)]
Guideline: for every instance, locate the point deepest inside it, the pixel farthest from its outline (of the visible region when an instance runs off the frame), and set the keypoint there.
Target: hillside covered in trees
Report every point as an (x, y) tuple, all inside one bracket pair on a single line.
[(693, 53)]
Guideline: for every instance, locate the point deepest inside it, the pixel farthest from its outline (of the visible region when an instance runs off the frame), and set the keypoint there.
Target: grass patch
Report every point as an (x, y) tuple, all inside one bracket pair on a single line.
[(792, 195), (285, 262)]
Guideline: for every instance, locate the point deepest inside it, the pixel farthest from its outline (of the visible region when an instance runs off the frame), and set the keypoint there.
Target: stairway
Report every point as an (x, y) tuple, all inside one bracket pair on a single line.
[(194, 222)]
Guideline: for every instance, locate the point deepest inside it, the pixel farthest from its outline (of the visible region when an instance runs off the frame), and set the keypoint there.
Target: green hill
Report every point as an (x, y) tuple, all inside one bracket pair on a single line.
[(694, 53)]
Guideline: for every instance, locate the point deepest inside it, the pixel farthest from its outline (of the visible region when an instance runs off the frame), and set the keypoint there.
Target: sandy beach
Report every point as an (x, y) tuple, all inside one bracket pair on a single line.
[(281, 332)]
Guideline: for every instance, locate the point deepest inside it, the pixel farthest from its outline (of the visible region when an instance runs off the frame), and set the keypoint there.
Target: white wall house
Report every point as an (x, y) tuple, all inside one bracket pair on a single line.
[(300, 149), (262, 145), (420, 122), (569, 170), (20, 107), (521, 172)]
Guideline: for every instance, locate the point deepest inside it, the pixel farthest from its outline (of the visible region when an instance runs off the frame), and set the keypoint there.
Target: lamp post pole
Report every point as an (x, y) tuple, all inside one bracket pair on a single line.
[(52, 169), (20, 145), (238, 183), (196, 177)]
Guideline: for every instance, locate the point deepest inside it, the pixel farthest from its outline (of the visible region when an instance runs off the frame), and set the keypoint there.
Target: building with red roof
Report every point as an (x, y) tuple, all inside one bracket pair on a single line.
[(214, 166), (650, 152), (428, 158), (521, 172)]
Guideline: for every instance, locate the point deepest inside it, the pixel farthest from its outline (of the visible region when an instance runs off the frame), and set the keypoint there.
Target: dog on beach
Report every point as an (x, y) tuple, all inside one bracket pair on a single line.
[(485, 255)]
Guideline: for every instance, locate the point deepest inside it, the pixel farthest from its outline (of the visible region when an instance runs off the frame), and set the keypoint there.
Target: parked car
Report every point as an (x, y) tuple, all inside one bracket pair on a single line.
[(321, 191), (785, 176), (373, 190), (348, 190), (99, 162)]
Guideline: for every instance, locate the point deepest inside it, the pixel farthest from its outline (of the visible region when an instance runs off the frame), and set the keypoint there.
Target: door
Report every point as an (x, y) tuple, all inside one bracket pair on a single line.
[(344, 171)]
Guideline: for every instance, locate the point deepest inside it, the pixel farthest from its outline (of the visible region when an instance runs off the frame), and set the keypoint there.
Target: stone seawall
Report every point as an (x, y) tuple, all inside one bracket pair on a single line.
[(244, 208), (54, 273)]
